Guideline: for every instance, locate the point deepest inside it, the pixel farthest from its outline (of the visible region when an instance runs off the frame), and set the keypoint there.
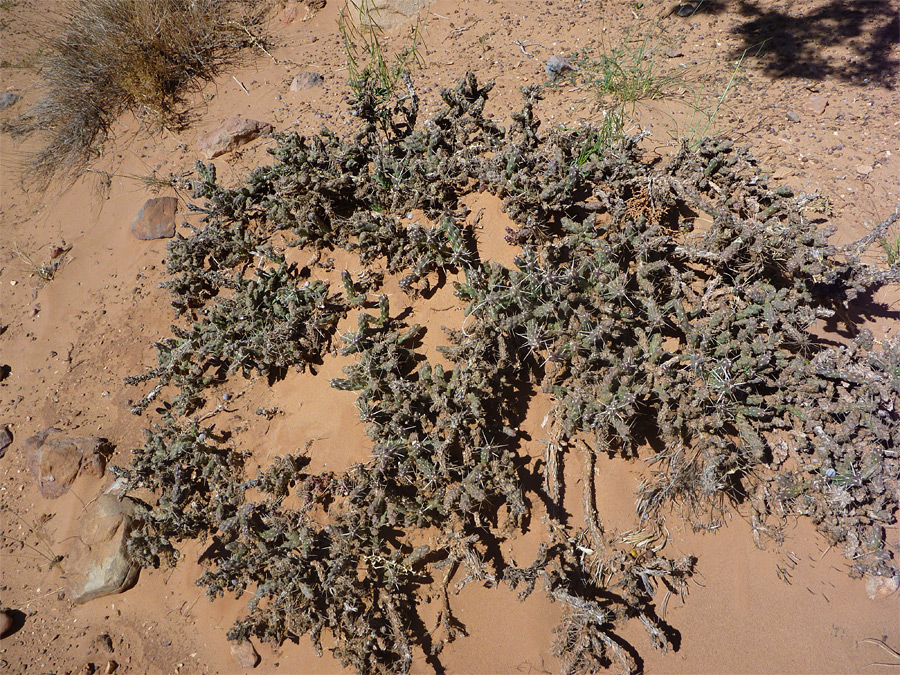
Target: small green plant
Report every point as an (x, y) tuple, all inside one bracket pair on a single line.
[(623, 78), (703, 116), (890, 244), (375, 76)]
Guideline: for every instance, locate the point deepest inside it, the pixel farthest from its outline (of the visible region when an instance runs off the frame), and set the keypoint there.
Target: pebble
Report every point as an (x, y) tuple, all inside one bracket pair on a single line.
[(864, 169), (815, 105), (878, 588), (792, 116), (245, 654)]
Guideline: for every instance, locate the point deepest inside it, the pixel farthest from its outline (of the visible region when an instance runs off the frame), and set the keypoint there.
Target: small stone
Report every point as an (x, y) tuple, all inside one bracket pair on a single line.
[(878, 588), (55, 462), (864, 169), (792, 116), (674, 52), (245, 654), (6, 622), (556, 66), (6, 439), (104, 565), (110, 667), (156, 219), (290, 12), (8, 99), (235, 132), (105, 641), (306, 80), (815, 105), (685, 10), (58, 250)]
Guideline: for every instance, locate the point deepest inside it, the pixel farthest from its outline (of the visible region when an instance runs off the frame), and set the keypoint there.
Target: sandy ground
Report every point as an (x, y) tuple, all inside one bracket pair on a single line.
[(71, 341)]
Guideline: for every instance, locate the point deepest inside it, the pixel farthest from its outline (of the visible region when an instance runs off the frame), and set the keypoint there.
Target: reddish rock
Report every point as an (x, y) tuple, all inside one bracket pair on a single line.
[(156, 219), (245, 654), (879, 588), (56, 462), (235, 132), (815, 105)]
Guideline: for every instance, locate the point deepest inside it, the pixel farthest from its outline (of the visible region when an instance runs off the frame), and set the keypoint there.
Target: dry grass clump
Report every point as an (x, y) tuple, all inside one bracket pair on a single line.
[(113, 56)]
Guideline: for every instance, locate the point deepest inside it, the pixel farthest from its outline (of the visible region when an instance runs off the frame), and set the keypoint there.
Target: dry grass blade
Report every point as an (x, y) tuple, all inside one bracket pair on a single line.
[(112, 56), (890, 650)]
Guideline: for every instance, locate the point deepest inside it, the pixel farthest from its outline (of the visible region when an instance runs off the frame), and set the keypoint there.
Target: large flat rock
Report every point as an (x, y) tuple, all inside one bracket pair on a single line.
[(103, 565)]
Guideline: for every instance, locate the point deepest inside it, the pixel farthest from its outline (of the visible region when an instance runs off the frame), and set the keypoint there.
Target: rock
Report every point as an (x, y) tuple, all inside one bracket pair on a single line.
[(792, 116), (105, 641), (864, 169), (556, 66), (815, 105), (235, 132), (388, 14), (306, 80), (685, 10), (56, 462), (674, 52), (245, 654), (290, 12), (6, 622), (156, 219), (104, 566), (110, 667), (8, 99), (878, 588), (6, 439)]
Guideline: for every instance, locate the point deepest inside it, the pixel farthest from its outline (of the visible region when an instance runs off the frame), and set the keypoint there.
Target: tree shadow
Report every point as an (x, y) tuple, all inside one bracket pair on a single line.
[(797, 44)]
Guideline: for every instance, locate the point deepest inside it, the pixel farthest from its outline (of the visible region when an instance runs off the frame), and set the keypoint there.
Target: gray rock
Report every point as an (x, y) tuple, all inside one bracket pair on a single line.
[(306, 80), (556, 66), (104, 566), (235, 132), (685, 10), (389, 14), (245, 654), (56, 461), (156, 219), (8, 99), (6, 439), (792, 116)]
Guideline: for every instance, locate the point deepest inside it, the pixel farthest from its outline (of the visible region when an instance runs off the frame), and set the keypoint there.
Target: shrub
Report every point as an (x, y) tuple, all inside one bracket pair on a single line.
[(650, 329), (113, 56)]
